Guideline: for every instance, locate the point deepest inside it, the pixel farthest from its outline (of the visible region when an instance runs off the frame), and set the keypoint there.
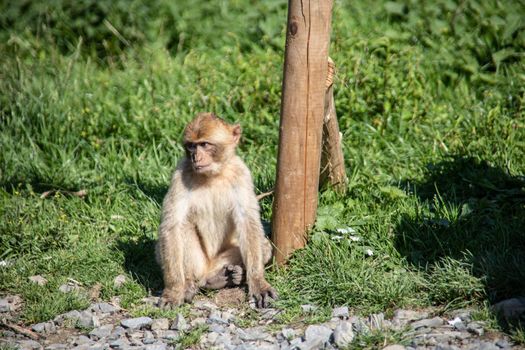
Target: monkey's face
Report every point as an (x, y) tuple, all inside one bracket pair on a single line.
[(210, 143), (203, 156)]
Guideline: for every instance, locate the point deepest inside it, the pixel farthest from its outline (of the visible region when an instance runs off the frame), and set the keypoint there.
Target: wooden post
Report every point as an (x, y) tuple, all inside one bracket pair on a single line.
[(301, 124), (333, 170)]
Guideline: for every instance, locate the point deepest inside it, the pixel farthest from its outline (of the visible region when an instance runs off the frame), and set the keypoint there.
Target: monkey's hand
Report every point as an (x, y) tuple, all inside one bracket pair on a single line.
[(170, 299), (262, 291), (236, 273)]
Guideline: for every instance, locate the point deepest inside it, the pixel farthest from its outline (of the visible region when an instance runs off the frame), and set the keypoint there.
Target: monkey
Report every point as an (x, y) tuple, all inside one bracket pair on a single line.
[(210, 233)]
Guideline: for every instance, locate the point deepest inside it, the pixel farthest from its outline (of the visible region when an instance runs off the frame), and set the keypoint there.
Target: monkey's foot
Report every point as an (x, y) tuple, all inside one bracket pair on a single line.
[(190, 292), (170, 299), (218, 281), (236, 274), (262, 292)]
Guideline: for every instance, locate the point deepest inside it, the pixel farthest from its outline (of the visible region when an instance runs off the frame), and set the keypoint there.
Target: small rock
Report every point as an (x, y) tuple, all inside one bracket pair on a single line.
[(69, 288), (487, 346), (103, 308), (56, 347), (343, 334), (429, 322), (101, 332), (29, 345), (502, 344), (158, 346), (212, 337), (5, 305), (179, 324), (204, 305), (308, 308), (228, 315), (288, 333), (198, 321), (464, 314), (119, 281), (8, 334), (341, 312), (70, 317), (269, 314), (135, 337), (252, 334), (160, 324), (44, 327), (117, 333), (317, 335), (216, 328), (148, 340), (403, 317), (446, 347), (136, 323), (215, 317), (88, 320), (294, 344), (225, 339), (394, 347), (37, 279), (476, 328), (166, 334), (82, 340), (119, 344)]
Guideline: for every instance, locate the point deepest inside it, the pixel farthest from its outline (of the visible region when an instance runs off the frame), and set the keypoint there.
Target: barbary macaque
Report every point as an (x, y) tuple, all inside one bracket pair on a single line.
[(210, 234)]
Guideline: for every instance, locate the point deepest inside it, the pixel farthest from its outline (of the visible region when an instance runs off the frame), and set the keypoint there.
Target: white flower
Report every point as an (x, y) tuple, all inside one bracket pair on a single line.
[(345, 230), (369, 252), (454, 321)]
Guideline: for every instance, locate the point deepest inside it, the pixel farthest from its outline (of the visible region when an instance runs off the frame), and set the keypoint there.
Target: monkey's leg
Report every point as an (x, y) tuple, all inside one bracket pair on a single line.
[(252, 243), (181, 258), (225, 270), (169, 255), (267, 250), (195, 261)]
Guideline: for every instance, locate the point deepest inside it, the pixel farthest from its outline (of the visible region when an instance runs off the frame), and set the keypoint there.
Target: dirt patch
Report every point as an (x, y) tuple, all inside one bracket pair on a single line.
[(230, 297)]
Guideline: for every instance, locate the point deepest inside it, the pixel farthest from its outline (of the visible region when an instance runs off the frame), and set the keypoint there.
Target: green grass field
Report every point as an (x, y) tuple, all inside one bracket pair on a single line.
[(431, 103)]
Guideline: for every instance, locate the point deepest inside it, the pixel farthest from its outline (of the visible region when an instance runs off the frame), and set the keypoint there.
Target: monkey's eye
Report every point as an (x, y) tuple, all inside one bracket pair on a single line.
[(204, 144), (190, 146)]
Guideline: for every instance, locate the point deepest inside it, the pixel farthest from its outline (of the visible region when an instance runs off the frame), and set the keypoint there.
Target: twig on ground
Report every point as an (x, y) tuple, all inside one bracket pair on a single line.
[(21, 330), (264, 195)]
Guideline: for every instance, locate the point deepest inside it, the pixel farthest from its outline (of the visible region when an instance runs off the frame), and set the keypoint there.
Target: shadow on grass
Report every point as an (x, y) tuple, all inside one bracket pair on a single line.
[(37, 182), (139, 260), (472, 212), (153, 191), (139, 253)]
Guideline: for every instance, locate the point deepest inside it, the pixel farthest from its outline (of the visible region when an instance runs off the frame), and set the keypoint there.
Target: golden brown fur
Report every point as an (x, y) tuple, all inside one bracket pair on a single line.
[(210, 235)]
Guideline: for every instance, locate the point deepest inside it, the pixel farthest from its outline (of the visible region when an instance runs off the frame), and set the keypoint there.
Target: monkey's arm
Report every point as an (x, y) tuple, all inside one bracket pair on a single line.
[(251, 236), (170, 248)]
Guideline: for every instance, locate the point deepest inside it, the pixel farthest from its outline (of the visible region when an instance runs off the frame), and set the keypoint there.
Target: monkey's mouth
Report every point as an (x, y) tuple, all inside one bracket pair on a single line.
[(201, 168)]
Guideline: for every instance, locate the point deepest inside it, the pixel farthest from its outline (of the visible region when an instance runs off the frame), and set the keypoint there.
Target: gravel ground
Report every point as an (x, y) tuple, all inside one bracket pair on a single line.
[(214, 324)]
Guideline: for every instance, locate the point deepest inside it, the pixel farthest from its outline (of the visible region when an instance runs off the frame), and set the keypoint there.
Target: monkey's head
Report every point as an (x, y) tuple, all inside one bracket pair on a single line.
[(210, 142)]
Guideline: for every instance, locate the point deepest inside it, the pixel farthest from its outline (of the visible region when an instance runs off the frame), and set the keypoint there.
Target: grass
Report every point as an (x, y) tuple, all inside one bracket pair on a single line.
[(430, 100), (191, 337)]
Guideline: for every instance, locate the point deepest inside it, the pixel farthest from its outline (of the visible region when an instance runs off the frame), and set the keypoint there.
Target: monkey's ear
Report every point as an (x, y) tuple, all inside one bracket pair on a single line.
[(236, 133)]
